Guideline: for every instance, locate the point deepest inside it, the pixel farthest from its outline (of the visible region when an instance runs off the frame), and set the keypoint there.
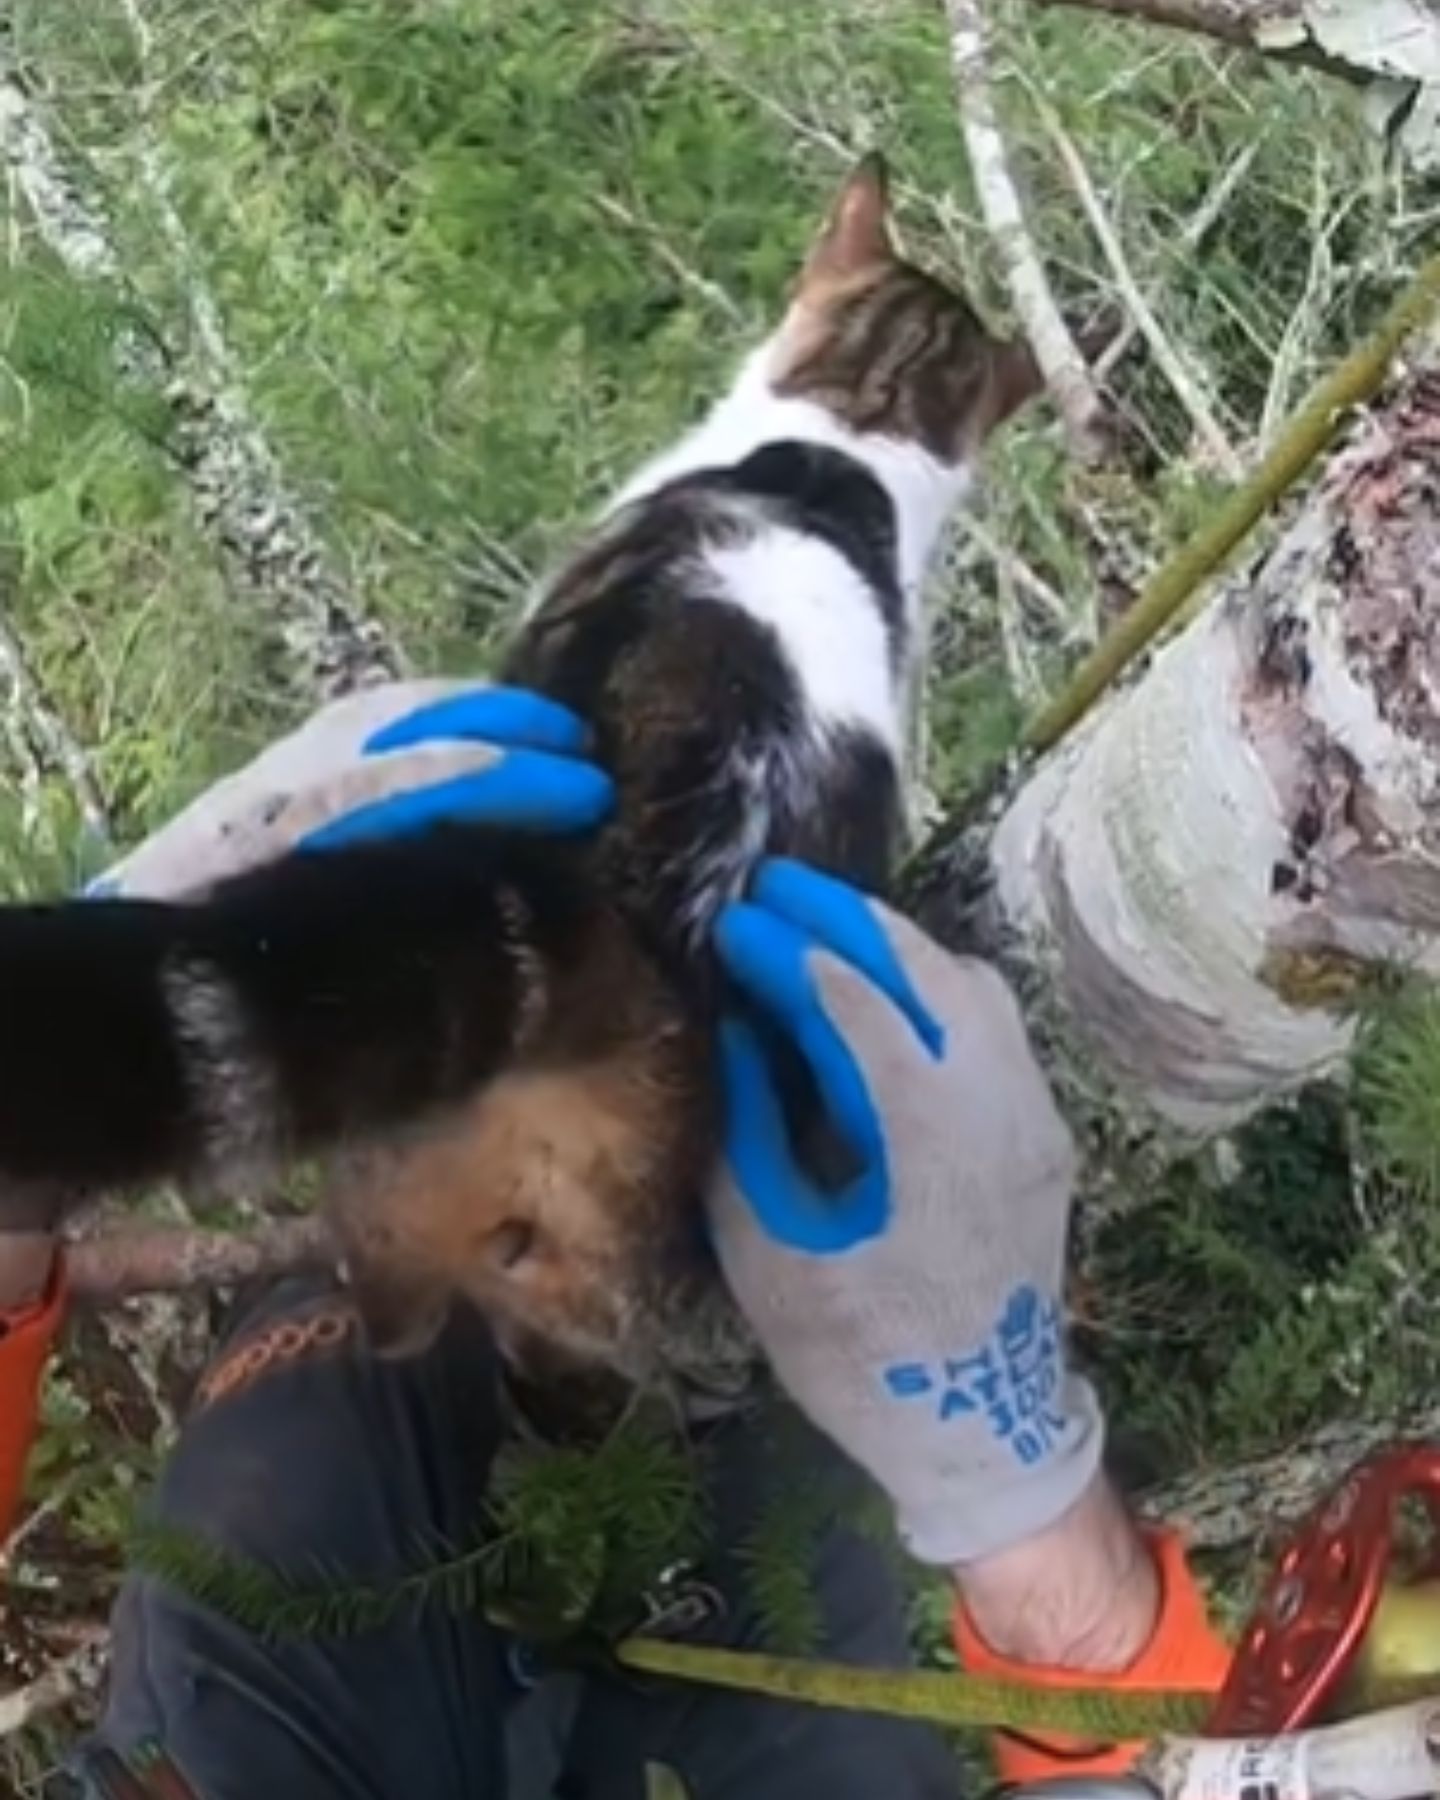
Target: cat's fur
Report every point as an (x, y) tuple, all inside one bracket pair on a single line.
[(502, 1048)]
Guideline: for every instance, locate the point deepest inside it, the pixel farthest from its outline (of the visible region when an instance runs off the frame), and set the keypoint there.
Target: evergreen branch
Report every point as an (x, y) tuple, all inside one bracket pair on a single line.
[(275, 1604), (779, 1562), (567, 1541), (1395, 1081)]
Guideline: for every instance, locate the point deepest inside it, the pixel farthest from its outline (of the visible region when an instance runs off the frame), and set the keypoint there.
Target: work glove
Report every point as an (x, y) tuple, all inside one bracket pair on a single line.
[(915, 1313), (382, 763)]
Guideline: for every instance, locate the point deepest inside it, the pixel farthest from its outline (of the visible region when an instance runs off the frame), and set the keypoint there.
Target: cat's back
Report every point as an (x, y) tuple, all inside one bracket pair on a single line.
[(736, 640)]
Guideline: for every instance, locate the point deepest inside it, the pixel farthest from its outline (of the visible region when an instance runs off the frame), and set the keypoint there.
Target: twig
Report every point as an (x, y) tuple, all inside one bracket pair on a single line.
[(1025, 682), (1308, 312), (1192, 234), (1236, 22), (664, 252), (1186, 387), (121, 1264), (59, 1683), (58, 1498), (1061, 363), (1003, 556)]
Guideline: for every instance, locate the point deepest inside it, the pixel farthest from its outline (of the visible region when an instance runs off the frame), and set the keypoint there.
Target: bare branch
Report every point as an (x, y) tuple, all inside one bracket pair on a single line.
[(1250, 1501), (1193, 233), (1187, 388), (1061, 363), (1240, 23), (120, 1264), (271, 551), (670, 258), (64, 1679), (1051, 602), (36, 724)]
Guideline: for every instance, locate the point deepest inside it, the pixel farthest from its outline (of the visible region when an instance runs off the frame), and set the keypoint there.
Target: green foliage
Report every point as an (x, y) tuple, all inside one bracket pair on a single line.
[(1244, 1309), (473, 260), (567, 1540), (779, 1561), (580, 1534), (1220, 1278), (1397, 1087)]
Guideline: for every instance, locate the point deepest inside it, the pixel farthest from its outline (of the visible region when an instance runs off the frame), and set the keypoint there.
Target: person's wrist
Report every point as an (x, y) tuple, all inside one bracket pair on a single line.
[(1084, 1593)]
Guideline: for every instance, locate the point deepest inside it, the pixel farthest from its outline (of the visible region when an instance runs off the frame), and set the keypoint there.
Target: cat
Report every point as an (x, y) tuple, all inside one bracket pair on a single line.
[(498, 1049)]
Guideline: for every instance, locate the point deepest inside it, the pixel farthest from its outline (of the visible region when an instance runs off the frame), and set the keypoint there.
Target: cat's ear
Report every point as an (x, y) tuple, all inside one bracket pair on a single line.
[(856, 236), (402, 1310)]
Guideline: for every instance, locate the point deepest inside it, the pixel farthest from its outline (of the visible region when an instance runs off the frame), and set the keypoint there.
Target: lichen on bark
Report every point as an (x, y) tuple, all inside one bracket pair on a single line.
[(1191, 888)]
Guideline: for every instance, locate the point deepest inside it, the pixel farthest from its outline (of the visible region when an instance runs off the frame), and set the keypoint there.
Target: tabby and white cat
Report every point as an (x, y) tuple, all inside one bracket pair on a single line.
[(500, 1049)]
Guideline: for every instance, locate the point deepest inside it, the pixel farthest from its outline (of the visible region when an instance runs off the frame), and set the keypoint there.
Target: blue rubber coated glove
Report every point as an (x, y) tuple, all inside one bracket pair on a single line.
[(536, 778), (382, 763), (915, 1315)]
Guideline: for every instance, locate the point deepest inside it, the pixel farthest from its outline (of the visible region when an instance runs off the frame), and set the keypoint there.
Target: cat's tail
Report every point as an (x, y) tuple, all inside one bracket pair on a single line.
[(314, 1003)]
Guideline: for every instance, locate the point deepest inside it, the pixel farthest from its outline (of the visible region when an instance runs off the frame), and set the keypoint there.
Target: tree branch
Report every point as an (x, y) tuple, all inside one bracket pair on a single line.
[(66, 1677), (1240, 23), (1250, 1502), (1061, 363), (143, 1260), (1188, 390), (37, 728)]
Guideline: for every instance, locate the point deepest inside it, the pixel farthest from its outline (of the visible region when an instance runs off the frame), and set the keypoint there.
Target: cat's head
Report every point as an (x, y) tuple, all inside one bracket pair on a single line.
[(561, 1198), (886, 348)]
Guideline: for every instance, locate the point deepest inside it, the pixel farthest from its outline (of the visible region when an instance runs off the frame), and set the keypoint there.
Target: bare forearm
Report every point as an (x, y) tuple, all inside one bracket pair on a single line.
[(1083, 1594)]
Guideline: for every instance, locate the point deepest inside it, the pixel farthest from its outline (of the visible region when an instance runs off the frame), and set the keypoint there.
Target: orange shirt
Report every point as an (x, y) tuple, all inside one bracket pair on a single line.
[(26, 1335)]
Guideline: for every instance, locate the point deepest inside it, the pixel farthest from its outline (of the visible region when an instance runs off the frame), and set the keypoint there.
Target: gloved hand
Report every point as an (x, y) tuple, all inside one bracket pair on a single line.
[(381, 763), (914, 1315)]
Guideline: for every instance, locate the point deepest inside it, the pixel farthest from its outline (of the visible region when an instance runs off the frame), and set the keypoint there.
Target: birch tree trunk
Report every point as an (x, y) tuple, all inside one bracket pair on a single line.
[(1188, 887)]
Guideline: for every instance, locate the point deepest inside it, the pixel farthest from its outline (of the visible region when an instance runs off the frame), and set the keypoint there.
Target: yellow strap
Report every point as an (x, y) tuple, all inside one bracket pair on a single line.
[(939, 1696)]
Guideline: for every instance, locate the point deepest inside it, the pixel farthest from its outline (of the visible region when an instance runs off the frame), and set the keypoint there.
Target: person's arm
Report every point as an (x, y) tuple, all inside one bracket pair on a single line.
[(916, 1313), (32, 1303), (1093, 1600)]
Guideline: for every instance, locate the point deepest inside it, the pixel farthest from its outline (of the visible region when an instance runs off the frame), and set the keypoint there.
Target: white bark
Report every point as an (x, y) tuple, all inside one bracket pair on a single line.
[(1061, 363), (1185, 886)]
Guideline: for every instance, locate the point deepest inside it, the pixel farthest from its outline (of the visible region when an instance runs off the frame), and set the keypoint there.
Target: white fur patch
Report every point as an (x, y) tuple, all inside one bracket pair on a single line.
[(923, 490), (517, 922), (231, 1088), (826, 621)]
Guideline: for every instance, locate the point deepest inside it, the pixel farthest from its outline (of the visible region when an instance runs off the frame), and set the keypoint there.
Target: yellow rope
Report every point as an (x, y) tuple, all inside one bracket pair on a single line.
[(1355, 380), (939, 1696)]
